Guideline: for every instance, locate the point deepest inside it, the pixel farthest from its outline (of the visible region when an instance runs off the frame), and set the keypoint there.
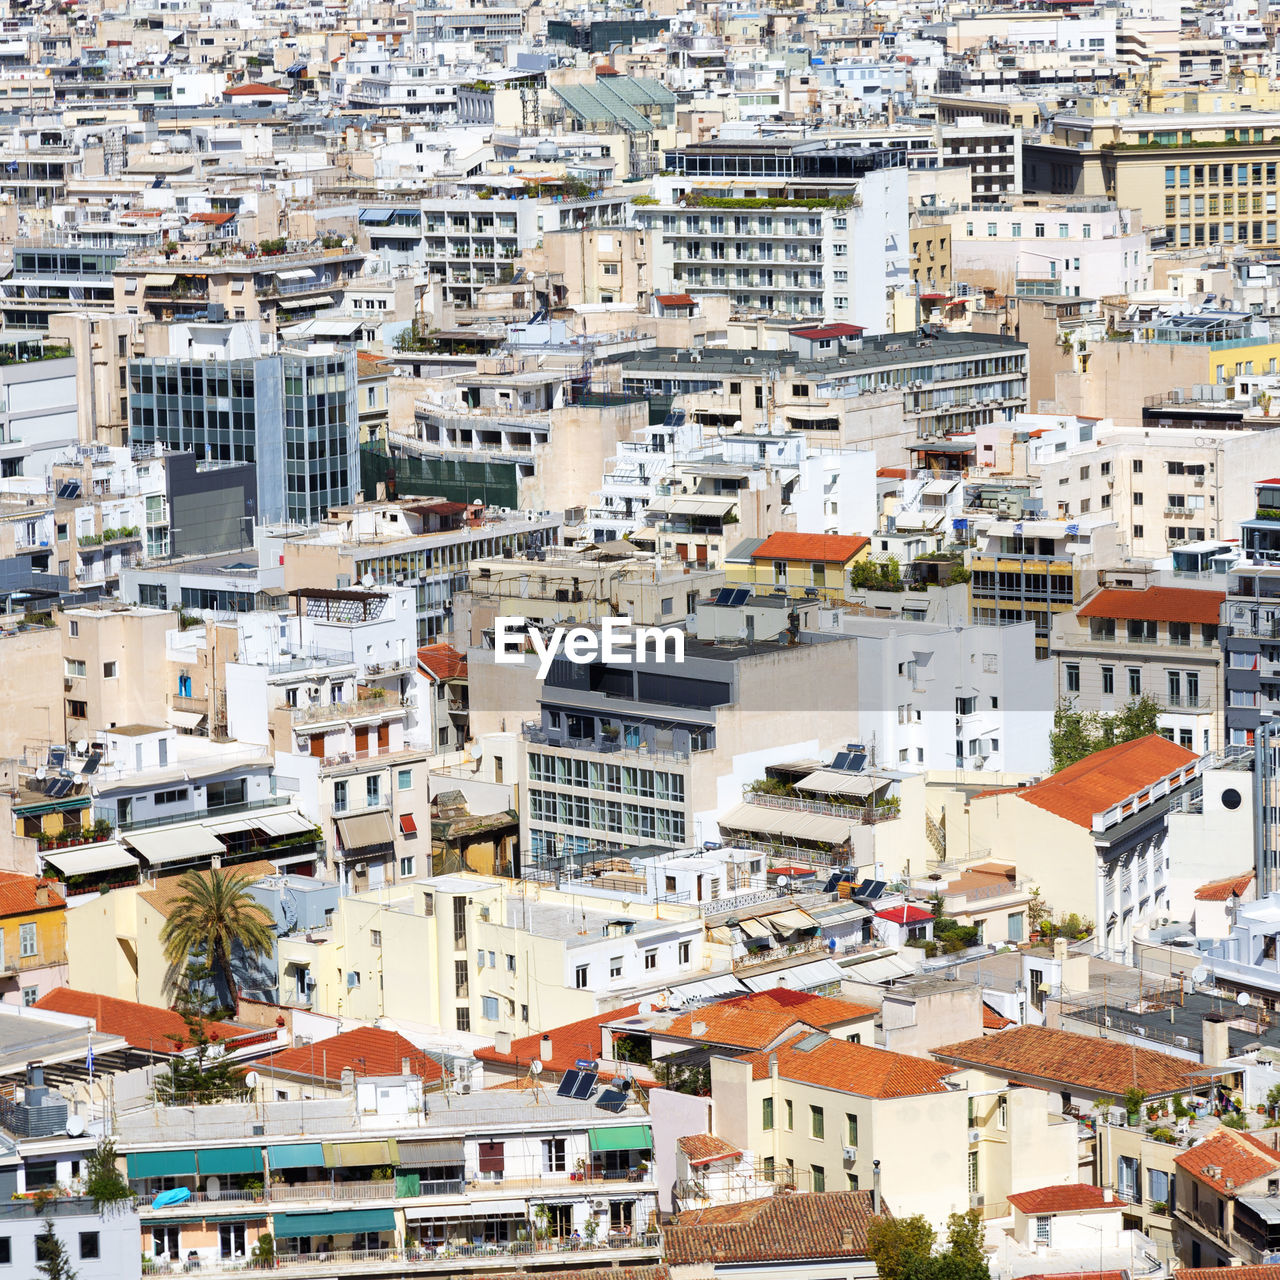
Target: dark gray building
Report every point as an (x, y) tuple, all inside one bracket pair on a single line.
[(292, 416)]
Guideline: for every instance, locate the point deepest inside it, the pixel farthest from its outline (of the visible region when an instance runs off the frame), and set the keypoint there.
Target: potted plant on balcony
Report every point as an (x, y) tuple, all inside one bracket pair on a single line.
[(1133, 1100), (591, 1230), (264, 1252)]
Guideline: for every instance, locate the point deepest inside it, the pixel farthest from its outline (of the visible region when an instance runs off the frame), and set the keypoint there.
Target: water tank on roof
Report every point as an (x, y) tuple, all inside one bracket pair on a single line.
[(546, 150)]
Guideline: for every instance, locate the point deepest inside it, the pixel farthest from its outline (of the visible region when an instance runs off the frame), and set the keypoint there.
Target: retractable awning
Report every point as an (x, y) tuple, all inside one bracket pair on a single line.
[(296, 304), (785, 922), (85, 861), (295, 273), (754, 929), (284, 824), (161, 1164), (175, 844), (625, 1137), (366, 831), (158, 279), (431, 1151), (230, 1160), (337, 1222), (348, 1155), (472, 1209), (184, 719), (299, 1155)]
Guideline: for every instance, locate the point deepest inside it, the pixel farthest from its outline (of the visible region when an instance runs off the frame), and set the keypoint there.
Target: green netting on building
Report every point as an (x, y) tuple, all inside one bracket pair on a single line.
[(493, 483)]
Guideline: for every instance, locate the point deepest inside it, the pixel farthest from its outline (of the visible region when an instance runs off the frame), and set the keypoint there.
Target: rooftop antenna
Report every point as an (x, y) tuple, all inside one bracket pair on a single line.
[(535, 1084)]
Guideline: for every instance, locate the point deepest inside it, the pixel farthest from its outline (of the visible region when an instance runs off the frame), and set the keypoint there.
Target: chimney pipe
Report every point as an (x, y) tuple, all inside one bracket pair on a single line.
[(544, 1049), (405, 1069), (875, 1187)]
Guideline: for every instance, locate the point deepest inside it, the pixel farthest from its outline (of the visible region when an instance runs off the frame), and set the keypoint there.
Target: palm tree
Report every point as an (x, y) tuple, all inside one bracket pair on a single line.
[(214, 914)]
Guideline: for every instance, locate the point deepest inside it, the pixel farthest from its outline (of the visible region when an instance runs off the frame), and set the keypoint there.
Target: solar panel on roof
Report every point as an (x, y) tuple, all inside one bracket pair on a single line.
[(586, 1082), (612, 1100), (58, 788), (57, 757), (568, 1084), (69, 489), (91, 764)]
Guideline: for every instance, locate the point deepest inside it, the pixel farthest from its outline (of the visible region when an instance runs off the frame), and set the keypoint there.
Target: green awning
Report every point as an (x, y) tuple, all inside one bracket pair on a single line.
[(210, 1219), (161, 1164), (625, 1137), (302, 1155), (347, 1155), (341, 1222), (231, 1160)]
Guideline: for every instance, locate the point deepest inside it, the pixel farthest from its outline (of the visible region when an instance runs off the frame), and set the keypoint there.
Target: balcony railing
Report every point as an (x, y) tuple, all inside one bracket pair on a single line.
[(321, 712)]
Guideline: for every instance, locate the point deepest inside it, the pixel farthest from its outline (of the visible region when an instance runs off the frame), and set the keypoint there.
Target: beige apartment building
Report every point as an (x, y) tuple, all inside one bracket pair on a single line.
[(1125, 643), (596, 265), (821, 1113)]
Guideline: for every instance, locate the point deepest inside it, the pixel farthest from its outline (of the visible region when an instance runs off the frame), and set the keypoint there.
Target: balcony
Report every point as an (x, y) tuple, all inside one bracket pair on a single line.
[(361, 708)]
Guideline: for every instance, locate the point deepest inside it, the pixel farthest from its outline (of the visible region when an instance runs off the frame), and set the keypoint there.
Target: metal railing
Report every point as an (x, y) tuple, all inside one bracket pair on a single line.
[(324, 711)]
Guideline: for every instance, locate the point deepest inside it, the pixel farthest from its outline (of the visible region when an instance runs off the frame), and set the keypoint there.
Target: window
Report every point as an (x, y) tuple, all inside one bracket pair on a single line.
[(682, 953), (489, 1008), (851, 1130), (1137, 466), (1042, 1227), (372, 789), (511, 963), (1158, 1187), (580, 977), (462, 1018), (77, 710), (1135, 682), (406, 868), (766, 1117), (375, 937), (1002, 1111), (109, 670), (1137, 499), (819, 1175), (1073, 677), (817, 1123), (30, 995), (72, 667), (651, 958), (89, 1247), (404, 779), (27, 939), (1108, 679)]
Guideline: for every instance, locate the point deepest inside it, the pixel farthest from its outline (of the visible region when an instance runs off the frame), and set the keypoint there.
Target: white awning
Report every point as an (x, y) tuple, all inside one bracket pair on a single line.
[(754, 928), (296, 273), (836, 782), (784, 922), (89, 858), (792, 823), (158, 279), (296, 304), (472, 1209), (185, 719), (939, 486), (284, 824), (228, 826), (175, 844)]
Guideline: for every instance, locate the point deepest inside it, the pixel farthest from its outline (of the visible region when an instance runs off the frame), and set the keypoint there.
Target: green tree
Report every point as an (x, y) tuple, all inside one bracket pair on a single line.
[(203, 1074), (905, 1248), (213, 917), (52, 1259), (104, 1184), (1077, 734)]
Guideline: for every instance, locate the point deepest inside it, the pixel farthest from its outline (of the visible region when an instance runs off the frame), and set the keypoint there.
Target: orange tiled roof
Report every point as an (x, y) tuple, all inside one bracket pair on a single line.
[(755, 1020), (820, 1224), (821, 548), (1066, 1058), (1100, 1275), (255, 88), (676, 299), (706, 1148), (213, 219), (860, 1069), (1263, 1271), (369, 1051), (18, 894), (169, 888), (1105, 778), (1221, 890), (1068, 1197), (993, 1021), (443, 661), (1237, 1158), (144, 1026), (574, 1040), (1155, 604)]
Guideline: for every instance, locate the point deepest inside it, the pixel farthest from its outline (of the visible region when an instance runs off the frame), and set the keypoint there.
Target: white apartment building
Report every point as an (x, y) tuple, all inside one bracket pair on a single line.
[(1085, 248)]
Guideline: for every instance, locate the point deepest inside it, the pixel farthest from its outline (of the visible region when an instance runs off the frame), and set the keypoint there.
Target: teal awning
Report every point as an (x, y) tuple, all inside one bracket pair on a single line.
[(161, 1164), (302, 1155), (231, 1160), (210, 1219), (342, 1222), (625, 1137)]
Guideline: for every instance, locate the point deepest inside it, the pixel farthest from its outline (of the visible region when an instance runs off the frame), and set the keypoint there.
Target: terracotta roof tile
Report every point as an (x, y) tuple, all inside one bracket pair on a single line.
[(169, 888), (255, 88), (993, 1021), (369, 1051), (860, 1069), (213, 219), (1105, 778), (443, 661), (819, 1224), (574, 1040), (144, 1026), (830, 331), (1155, 604), (1263, 1271), (1068, 1197), (756, 1020), (1237, 1158), (1092, 1275), (18, 894), (821, 548), (1221, 890), (675, 299), (706, 1148), (1066, 1058)]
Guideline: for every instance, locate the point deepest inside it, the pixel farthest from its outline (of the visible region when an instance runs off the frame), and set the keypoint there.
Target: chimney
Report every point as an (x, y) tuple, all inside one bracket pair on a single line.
[(502, 1041), (773, 1066), (875, 1187), (405, 1068), (1213, 1040), (846, 1240), (699, 1029), (1059, 951), (348, 1081), (544, 1049), (1108, 1195), (42, 893)]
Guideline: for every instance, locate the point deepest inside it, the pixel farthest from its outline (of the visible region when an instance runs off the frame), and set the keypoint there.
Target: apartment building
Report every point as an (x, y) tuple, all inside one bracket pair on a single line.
[(810, 564), (427, 544), (292, 415), (1032, 569), (56, 274), (1207, 178), (1048, 248), (636, 754), (1156, 642), (946, 383), (798, 257)]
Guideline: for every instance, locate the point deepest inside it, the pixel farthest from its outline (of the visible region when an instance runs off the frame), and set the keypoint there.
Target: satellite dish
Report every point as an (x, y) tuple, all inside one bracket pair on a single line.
[(251, 1079), (1243, 999), (477, 752), (42, 773), (646, 1007), (367, 581), (637, 865), (1199, 974), (783, 882), (535, 1067), (75, 1126), (213, 1187), (82, 746)]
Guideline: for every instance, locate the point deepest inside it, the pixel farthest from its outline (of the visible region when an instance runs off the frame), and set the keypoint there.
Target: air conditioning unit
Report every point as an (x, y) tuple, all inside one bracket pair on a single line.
[(599, 1205), (975, 1135), (361, 868), (850, 1153)]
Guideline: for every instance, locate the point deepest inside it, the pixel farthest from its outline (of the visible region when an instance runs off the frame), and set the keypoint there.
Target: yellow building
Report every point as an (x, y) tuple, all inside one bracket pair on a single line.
[(33, 939), (801, 563)]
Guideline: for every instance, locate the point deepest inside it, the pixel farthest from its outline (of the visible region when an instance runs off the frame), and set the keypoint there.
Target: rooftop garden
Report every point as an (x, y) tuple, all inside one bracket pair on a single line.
[(698, 200)]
